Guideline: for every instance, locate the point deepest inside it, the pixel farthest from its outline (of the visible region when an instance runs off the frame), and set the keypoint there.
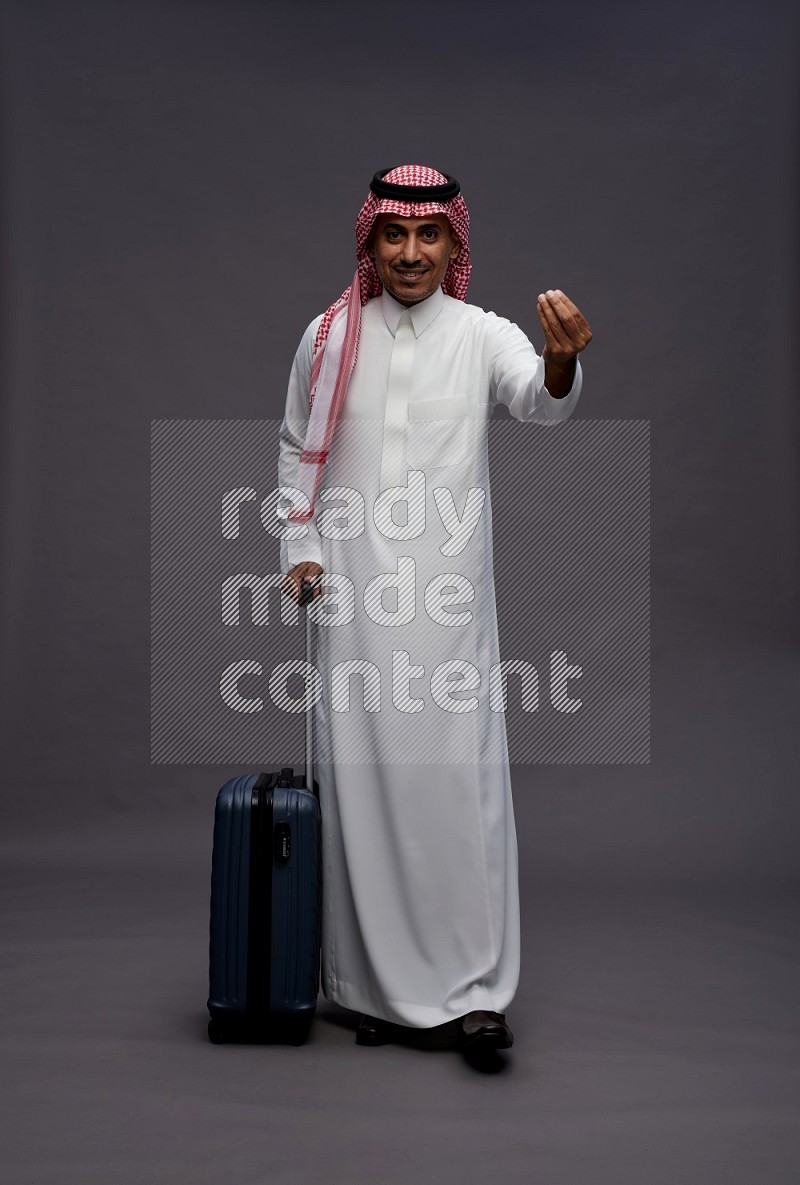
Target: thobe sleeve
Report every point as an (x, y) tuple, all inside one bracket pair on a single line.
[(516, 374), (308, 546)]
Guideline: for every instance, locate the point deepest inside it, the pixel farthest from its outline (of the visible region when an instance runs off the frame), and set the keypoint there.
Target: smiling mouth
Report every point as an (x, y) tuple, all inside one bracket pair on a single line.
[(410, 275)]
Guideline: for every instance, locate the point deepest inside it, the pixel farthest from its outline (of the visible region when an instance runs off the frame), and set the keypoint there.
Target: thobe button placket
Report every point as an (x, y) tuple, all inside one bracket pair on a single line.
[(394, 424)]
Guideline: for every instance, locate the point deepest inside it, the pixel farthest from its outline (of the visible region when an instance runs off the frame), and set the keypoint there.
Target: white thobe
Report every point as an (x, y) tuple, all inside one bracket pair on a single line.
[(420, 875)]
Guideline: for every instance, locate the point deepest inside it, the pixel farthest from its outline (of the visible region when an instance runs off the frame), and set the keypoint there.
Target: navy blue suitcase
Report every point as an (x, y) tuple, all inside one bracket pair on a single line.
[(266, 905)]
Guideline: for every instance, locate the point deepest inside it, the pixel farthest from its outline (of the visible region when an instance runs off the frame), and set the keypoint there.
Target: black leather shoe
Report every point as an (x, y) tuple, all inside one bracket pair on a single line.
[(372, 1031), (483, 1031)]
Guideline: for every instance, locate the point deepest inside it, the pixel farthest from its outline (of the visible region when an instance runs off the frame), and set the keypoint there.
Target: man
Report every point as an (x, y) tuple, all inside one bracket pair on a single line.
[(388, 399)]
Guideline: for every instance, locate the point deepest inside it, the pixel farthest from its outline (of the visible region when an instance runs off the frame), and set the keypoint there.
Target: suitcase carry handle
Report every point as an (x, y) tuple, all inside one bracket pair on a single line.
[(307, 590)]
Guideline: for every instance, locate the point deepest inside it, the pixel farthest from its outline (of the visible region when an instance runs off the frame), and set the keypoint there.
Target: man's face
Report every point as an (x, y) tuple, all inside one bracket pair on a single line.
[(411, 254)]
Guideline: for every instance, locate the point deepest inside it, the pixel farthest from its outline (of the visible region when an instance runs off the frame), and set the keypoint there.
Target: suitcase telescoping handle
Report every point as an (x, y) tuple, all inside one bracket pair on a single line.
[(306, 593)]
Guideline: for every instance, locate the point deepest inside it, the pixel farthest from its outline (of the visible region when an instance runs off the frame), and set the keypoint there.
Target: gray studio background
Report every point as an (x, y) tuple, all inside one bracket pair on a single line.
[(179, 186)]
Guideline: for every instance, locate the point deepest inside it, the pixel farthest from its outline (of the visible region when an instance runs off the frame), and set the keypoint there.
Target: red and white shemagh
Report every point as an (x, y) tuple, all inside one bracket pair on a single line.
[(336, 343)]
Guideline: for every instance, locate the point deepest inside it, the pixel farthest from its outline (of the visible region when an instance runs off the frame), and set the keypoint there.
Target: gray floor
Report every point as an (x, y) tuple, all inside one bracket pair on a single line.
[(656, 1041)]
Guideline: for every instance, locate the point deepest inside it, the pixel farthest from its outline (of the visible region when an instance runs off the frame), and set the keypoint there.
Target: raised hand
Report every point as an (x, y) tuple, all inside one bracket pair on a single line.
[(565, 334), (566, 331)]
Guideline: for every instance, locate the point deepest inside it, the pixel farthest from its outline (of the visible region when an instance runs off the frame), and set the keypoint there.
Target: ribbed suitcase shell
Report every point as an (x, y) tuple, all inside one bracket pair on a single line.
[(270, 940)]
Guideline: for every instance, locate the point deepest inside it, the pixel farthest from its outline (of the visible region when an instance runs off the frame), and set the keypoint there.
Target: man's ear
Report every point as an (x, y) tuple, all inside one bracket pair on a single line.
[(455, 250)]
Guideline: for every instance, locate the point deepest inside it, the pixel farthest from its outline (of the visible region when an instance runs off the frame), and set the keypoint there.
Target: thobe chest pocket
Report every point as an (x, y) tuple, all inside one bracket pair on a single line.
[(438, 433)]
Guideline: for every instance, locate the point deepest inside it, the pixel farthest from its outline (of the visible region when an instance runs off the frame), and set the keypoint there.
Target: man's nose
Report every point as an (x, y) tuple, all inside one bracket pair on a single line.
[(410, 249)]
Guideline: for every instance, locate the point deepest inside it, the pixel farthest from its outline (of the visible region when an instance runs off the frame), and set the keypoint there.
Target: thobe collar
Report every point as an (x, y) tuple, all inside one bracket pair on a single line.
[(422, 314)]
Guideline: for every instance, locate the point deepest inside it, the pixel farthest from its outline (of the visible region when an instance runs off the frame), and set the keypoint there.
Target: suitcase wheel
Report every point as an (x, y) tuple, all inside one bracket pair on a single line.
[(216, 1032), (296, 1032)]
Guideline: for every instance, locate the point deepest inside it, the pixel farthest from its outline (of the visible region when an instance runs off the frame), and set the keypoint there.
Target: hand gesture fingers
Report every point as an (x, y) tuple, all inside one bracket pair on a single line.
[(565, 328)]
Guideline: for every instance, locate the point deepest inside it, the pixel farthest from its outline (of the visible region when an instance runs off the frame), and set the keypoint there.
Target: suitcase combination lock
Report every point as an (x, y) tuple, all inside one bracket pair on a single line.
[(282, 843)]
